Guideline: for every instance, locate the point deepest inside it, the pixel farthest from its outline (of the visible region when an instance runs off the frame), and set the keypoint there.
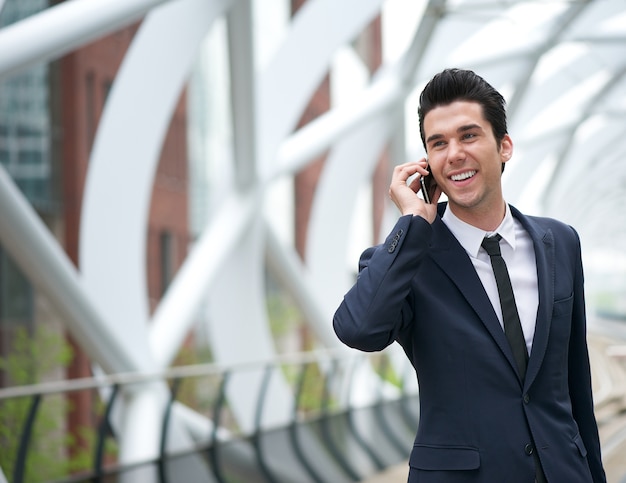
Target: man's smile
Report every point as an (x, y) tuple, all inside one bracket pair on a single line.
[(463, 176)]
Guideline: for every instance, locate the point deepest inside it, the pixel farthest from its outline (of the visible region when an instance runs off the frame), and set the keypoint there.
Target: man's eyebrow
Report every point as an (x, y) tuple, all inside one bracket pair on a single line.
[(434, 137), (468, 127)]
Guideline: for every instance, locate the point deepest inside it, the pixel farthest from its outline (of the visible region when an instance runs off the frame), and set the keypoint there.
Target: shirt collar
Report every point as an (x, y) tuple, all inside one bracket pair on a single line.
[(471, 237)]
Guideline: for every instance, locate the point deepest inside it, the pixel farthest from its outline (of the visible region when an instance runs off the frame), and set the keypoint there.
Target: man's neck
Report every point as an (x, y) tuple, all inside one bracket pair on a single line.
[(487, 220)]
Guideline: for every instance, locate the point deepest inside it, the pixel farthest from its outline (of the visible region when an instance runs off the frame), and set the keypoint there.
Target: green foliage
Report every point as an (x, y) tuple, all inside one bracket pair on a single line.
[(32, 357), (188, 388), (28, 362), (312, 389), (385, 369), (282, 313)]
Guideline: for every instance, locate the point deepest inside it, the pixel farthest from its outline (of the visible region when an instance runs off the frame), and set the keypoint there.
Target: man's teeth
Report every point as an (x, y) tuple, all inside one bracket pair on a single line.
[(462, 176)]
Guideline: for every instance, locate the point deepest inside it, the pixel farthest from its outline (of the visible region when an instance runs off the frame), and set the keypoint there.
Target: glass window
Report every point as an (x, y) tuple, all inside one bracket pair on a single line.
[(167, 248), (16, 294)]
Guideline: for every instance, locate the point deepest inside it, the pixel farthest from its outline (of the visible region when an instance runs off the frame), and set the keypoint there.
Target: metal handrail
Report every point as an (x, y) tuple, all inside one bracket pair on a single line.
[(18, 471), (164, 430), (361, 440), (196, 370), (341, 460), (332, 362), (381, 419), (332, 426), (103, 429), (217, 418), (258, 450), (295, 441)]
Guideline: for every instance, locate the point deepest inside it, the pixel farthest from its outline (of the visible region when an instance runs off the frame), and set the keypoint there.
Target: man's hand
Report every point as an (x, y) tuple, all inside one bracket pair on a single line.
[(404, 194)]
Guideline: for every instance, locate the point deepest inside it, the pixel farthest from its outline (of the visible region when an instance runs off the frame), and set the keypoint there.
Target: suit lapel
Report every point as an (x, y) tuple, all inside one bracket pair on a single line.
[(543, 242), (448, 253), (451, 257)]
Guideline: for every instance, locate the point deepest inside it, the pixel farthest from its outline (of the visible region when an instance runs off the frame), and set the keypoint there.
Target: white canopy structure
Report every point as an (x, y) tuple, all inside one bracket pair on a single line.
[(561, 65)]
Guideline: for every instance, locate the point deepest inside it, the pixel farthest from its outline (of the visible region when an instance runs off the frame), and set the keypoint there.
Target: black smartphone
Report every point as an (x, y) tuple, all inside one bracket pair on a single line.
[(428, 185)]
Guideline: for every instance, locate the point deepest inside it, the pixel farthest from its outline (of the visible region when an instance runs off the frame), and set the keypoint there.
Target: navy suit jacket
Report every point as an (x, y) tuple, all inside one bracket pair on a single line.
[(478, 421)]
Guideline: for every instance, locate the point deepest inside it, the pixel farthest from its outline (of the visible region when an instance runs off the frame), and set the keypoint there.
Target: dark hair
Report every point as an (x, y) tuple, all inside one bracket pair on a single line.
[(463, 85)]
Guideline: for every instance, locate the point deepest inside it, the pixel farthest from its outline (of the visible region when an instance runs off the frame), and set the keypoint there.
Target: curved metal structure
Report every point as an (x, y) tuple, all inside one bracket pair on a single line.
[(561, 66), (286, 453)]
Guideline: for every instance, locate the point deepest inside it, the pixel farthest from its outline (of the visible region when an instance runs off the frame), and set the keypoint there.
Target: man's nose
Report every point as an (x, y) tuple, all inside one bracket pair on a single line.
[(455, 151)]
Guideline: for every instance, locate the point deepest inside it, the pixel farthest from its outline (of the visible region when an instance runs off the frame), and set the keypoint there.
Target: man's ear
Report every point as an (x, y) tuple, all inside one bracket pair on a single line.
[(506, 148)]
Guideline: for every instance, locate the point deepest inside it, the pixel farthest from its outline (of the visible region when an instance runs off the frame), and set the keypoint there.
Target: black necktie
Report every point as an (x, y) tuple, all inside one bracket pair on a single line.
[(510, 317)]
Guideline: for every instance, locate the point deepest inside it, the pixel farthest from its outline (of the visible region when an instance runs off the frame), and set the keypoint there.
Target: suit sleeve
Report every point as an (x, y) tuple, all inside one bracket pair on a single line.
[(580, 375), (377, 308)]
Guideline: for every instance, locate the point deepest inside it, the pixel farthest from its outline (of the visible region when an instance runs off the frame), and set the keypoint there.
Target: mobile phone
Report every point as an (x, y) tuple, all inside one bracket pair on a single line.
[(428, 185)]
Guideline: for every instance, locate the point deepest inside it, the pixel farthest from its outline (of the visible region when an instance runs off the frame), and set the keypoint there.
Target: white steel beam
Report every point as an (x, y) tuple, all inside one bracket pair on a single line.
[(293, 74), (58, 30), (175, 314), (49, 269), (294, 276), (129, 141), (319, 135), (242, 93)]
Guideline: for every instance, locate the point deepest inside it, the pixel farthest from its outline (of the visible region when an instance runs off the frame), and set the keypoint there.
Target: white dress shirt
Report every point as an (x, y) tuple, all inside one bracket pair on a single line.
[(518, 253)]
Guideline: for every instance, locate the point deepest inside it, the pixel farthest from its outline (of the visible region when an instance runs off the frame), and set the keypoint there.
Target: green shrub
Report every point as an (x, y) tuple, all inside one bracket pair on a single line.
[(30, 360)]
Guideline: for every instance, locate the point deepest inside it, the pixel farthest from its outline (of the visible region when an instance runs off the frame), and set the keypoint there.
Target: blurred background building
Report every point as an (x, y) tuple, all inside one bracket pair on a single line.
[(187, 182)]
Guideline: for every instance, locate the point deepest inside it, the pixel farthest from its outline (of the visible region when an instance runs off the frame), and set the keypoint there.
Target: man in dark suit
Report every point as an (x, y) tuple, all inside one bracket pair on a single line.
[(490, 411)]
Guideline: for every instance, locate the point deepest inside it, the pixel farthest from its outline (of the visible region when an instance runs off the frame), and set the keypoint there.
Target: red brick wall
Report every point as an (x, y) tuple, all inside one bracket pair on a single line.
[(84, 77), (169, 207)]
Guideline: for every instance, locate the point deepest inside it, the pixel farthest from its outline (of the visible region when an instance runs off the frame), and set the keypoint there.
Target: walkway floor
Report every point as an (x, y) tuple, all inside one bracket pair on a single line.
[(395, 474)]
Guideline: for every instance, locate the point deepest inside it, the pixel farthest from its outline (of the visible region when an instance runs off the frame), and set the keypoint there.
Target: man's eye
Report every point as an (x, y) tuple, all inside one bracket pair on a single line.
[(469, 135)]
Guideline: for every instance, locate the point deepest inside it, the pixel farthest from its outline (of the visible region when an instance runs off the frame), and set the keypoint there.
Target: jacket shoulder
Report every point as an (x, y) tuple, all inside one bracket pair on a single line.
[(546, 224)]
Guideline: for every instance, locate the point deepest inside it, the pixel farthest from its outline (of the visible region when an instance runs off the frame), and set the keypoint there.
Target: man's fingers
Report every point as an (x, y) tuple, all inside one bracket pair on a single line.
[(403, 172), (415, 184)]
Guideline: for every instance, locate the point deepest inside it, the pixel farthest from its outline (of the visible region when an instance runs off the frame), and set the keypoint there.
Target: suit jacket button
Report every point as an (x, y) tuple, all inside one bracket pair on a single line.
[(528, 449), (526, 398)]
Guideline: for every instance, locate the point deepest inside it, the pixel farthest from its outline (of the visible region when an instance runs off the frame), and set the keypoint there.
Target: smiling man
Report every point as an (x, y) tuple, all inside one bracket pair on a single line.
[(487, 303)]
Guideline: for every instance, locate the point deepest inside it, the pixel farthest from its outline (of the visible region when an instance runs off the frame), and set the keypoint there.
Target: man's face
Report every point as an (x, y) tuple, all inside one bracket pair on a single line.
[(466, 161)]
